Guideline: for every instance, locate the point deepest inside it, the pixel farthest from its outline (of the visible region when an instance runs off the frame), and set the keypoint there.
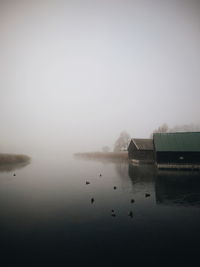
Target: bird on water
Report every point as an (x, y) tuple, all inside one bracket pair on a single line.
[(130, 214), (113, 213)]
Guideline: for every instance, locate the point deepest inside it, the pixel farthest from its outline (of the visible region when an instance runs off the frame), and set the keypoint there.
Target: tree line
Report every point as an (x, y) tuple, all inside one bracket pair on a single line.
[(122, 142)]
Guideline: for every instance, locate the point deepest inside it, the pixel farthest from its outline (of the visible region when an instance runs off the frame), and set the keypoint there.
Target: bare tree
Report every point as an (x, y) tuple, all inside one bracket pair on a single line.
[(177, 128), (186, 128), (161, 129), (122, 142)]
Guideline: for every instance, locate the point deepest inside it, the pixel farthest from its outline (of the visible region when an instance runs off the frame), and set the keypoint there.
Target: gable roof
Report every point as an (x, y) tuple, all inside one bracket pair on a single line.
[(143, 144), (182, 141)]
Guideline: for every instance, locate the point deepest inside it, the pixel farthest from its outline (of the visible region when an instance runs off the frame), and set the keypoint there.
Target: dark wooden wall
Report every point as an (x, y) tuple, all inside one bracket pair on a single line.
[(143, 154), (175, 157), (134, 153), (131, 150)]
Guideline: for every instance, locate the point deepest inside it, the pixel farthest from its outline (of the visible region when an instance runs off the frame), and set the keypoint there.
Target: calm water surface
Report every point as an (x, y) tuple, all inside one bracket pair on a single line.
[(47, 217)]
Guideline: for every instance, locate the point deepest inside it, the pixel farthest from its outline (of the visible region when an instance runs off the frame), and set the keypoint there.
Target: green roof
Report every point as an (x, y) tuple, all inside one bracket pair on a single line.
[(182, 141)]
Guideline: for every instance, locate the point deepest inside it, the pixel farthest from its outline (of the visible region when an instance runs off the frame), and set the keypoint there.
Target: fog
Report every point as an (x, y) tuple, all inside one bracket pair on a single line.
[(74, 74)]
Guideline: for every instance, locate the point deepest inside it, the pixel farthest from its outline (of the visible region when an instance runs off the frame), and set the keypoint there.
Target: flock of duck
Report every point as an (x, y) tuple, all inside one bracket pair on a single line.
[(113, 214)]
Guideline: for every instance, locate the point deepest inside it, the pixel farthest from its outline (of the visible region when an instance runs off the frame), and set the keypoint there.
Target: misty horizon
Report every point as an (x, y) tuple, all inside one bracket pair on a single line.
[(75, 74)]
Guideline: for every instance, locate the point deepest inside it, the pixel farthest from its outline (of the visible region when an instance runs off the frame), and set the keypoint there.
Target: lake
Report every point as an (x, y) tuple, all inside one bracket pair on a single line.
[(48, 217)]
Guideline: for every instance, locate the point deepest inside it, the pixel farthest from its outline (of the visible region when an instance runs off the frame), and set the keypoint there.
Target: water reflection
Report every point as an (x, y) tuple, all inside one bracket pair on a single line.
[(50, 209), (178, 188), (141, 173), (121, 168), (171, 187), (167, 187), (13, 166)]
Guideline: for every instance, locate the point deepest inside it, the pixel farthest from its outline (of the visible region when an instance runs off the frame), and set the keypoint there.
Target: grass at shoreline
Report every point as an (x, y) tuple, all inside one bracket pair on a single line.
[(13, 159), (103, 155)]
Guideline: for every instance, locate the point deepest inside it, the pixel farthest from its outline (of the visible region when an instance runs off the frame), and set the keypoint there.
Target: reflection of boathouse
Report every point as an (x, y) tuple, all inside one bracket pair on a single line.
[(178, 188), (142, 173), (141, 150), (177, 150)]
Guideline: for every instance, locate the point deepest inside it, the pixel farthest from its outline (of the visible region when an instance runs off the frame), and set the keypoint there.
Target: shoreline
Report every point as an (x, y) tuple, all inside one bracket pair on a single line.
[(103, 155), (13, 158)]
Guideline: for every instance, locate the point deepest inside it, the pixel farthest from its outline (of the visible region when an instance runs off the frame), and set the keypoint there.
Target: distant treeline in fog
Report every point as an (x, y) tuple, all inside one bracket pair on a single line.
[(13, 159), (164, 128)]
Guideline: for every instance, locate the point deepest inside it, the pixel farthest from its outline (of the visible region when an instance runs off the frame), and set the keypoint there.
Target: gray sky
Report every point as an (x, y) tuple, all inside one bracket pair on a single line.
[(74, 74)]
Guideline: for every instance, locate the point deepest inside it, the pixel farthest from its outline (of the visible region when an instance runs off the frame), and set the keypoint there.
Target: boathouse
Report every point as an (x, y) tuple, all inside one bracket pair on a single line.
[(177, 150), (141, 150)]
